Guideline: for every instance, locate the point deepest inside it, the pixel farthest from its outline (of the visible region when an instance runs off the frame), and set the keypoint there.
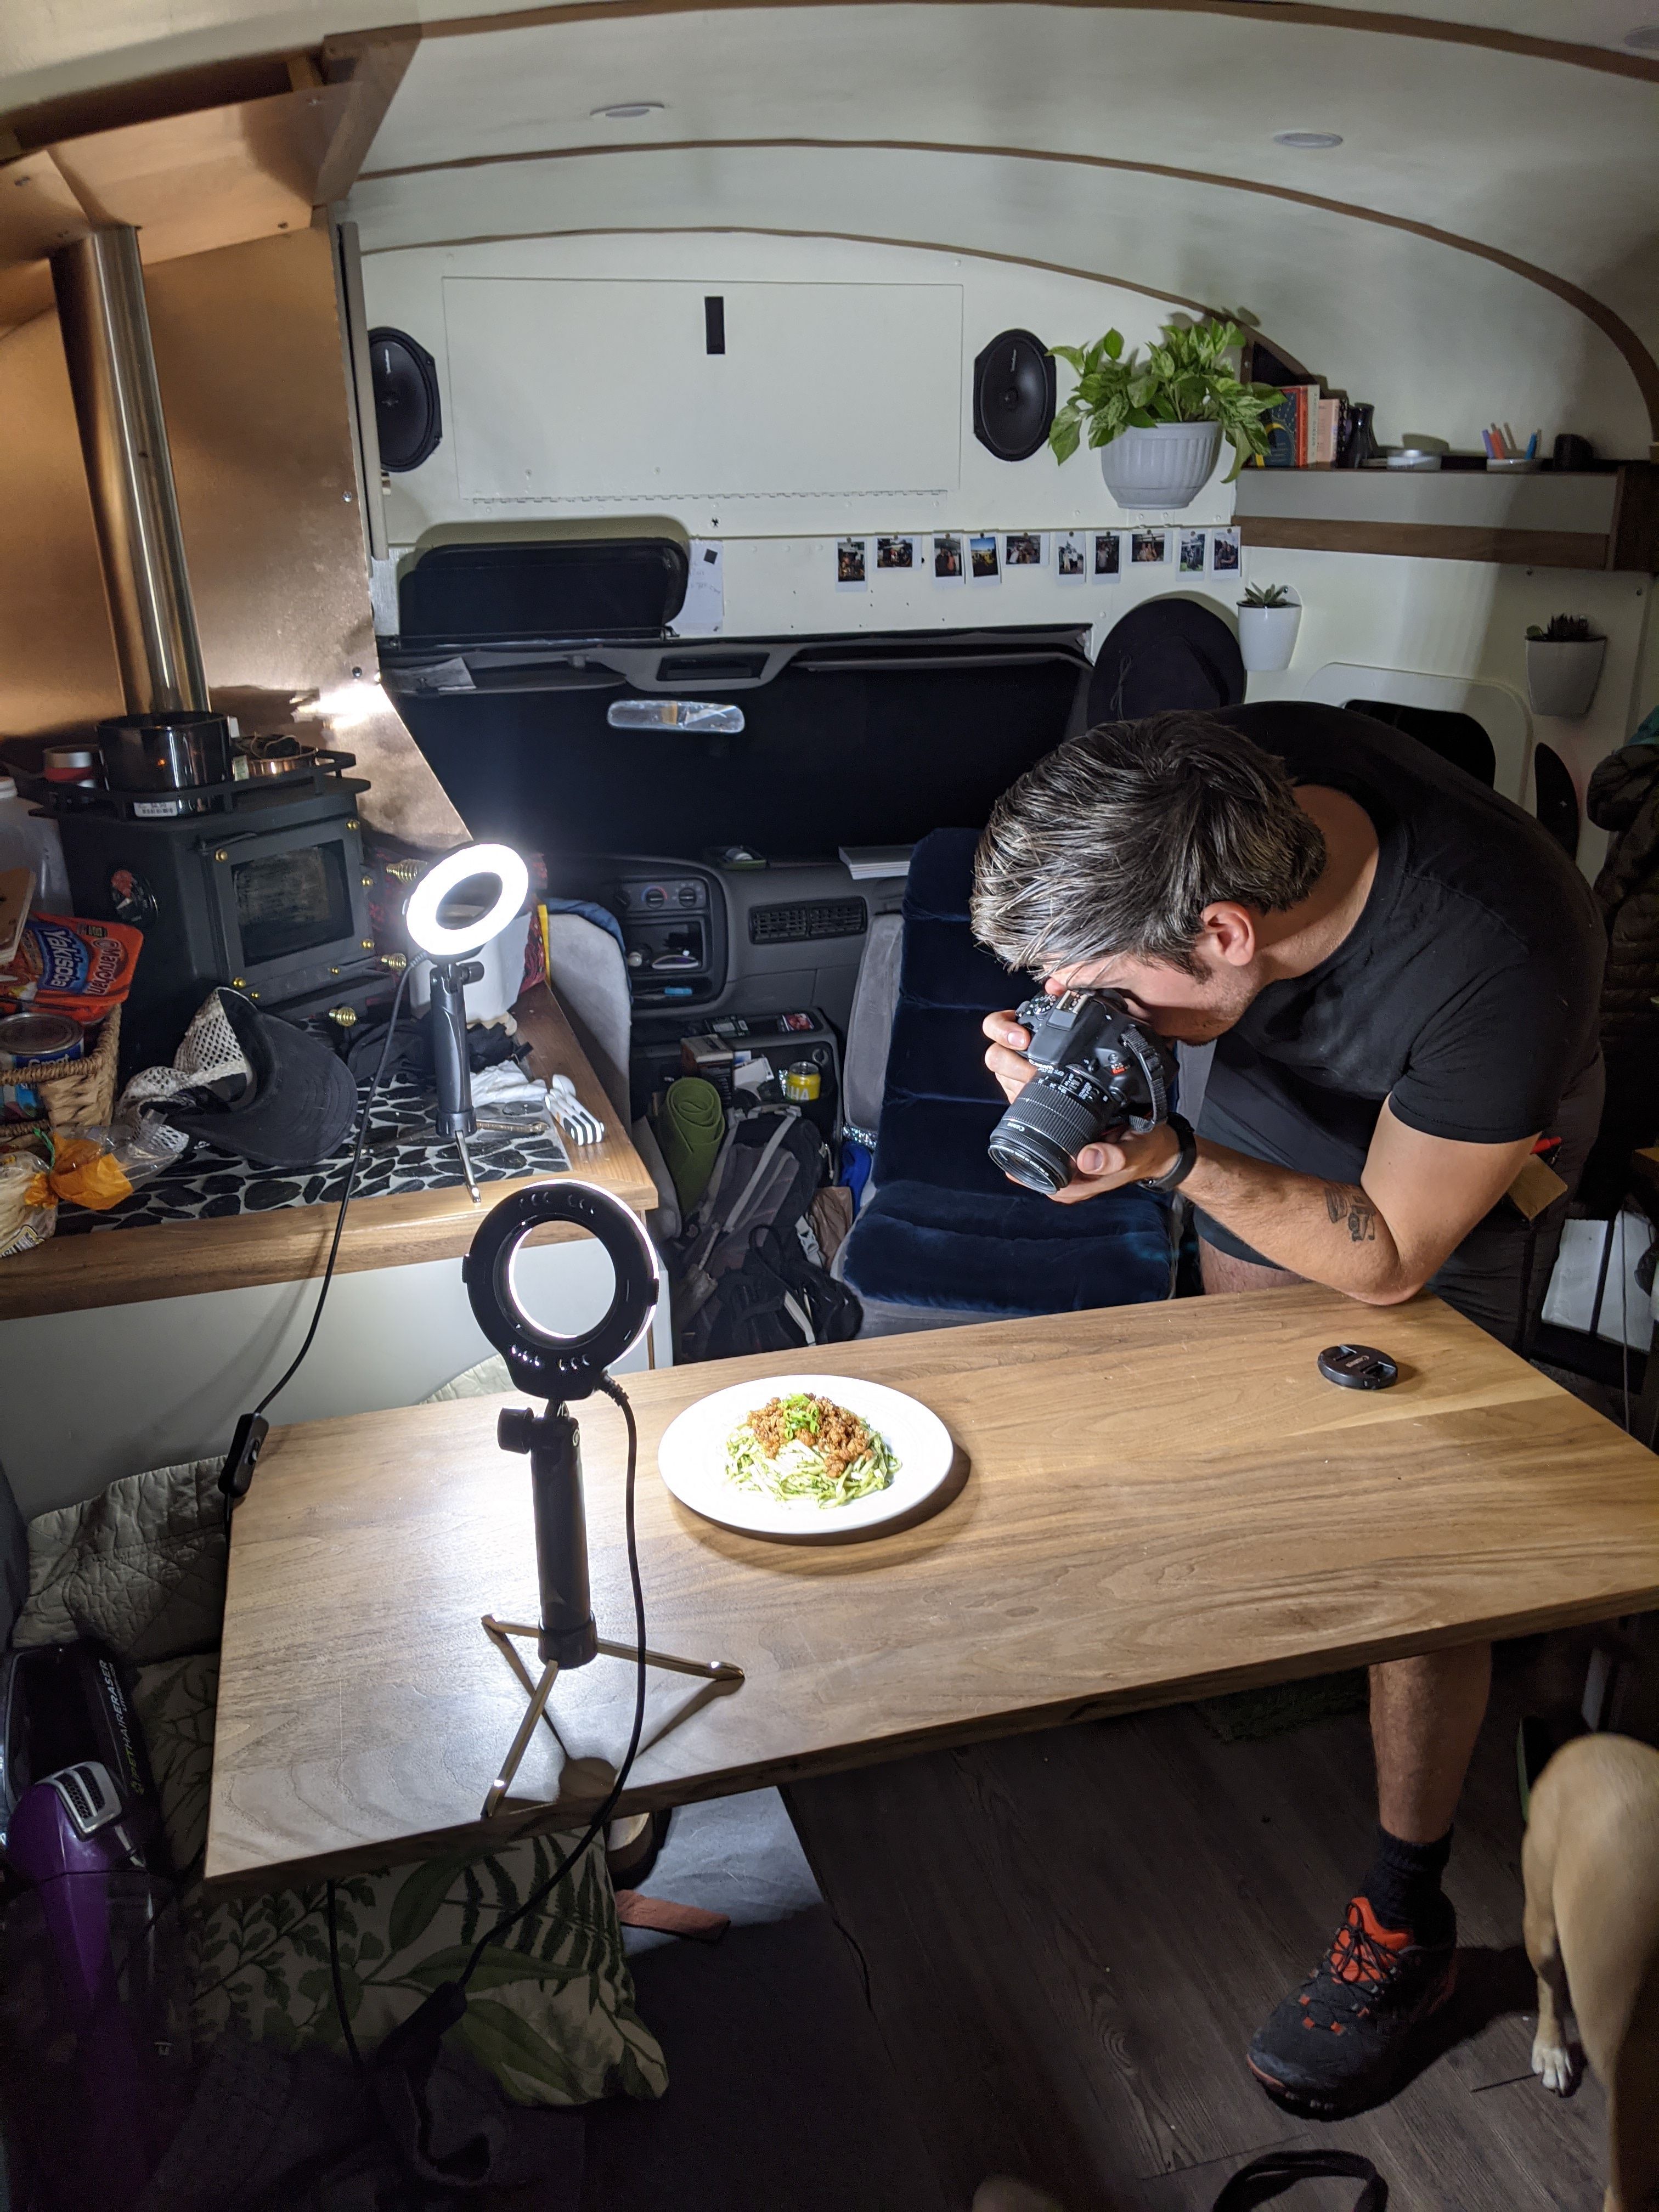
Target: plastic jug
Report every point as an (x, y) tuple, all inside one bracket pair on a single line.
[(31, 840)]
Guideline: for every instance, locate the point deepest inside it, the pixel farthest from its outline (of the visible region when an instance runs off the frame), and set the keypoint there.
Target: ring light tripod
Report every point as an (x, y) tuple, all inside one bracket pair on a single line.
[(560, 1368)]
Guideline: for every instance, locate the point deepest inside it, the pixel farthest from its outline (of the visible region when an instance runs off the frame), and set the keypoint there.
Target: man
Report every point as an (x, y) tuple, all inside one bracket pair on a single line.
[(1399, 973)]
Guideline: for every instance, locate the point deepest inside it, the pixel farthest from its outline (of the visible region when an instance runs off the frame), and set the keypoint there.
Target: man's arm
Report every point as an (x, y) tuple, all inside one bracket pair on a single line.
[(1378, 1240)]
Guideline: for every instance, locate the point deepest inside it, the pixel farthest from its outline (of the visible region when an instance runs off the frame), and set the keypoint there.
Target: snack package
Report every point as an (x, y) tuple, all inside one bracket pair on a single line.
[(28, 1212), (66, 964), (97, 1168)]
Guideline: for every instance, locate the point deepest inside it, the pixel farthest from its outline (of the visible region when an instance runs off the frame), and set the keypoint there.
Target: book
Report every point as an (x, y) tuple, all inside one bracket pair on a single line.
[(865, 863), (1310, 423), (1325, 441), (1280, 422)]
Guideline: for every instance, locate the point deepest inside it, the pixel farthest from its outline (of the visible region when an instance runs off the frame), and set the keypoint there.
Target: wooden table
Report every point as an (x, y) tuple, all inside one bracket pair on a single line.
[(1160, 1502), (120, 1267)]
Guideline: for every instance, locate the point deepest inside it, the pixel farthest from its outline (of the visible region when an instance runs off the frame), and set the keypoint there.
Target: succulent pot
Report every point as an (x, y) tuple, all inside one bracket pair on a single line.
[(1562, 674), (1164, 467), (1267, 635)]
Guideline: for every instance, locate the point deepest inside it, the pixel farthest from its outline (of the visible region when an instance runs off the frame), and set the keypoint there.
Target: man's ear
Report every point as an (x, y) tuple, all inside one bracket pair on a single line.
[(1230, 931)]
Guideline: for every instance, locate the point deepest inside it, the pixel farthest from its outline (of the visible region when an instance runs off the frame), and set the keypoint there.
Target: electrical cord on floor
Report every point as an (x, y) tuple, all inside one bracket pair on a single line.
[(252, 1428), (447, 2003)]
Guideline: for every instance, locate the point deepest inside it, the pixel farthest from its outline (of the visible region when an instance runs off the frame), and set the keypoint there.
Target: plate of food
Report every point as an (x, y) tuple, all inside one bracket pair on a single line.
[(807, 1457)]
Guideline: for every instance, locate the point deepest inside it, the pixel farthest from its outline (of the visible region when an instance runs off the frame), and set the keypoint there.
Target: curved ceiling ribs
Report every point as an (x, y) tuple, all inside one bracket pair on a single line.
[(1639, 360)]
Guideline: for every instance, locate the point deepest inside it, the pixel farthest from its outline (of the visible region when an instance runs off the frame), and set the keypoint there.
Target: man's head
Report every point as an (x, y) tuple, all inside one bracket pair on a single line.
[(1147, 856)]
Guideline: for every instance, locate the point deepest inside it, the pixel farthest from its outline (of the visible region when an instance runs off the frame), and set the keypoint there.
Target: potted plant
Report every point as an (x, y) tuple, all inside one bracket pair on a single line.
[(1158, 423), (1269, 618), (1564, 665)]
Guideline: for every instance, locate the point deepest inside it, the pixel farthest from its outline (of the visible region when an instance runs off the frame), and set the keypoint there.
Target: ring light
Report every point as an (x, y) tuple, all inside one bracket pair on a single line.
[(421, 915), (543, 1364)]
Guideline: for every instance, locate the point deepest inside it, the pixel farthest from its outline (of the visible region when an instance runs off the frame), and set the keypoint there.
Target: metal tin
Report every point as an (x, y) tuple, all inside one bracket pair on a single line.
[(802, 1081), (79, 764), (39, 1037)]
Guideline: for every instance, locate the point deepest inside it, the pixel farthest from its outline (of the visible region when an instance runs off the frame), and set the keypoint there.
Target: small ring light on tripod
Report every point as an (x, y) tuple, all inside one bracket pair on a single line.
[(545, 1366), (448, 944)]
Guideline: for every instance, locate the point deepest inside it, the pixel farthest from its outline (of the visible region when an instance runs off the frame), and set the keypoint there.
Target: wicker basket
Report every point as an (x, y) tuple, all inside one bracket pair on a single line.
[(77, 1092)]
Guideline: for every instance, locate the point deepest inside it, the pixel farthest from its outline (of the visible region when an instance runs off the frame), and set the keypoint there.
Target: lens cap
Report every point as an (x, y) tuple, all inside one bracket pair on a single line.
[(1357, 1366)]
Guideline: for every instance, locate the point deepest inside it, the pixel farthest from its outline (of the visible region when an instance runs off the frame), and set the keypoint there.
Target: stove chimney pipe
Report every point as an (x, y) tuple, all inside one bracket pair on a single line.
[(100, 284)]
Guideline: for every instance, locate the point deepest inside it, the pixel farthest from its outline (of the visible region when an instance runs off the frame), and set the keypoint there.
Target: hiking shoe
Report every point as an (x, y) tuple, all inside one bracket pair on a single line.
[(1343, 2040)]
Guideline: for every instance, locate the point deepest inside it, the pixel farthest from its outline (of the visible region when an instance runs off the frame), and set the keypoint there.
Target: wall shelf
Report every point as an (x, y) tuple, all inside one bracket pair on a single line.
[(1599, 519)]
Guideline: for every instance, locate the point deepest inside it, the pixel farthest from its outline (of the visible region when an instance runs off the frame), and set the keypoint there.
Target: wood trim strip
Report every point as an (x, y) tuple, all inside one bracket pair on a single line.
[(374, 68), (1427, 541), (1613, 326), (1292, 15)]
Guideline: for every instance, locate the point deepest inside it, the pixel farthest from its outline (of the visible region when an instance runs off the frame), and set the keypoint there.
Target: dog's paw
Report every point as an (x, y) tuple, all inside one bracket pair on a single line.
[(1558, 2065)]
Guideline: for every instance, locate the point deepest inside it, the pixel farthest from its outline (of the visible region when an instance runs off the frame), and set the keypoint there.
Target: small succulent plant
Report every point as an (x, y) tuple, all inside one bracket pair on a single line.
[(1564, 630), (1268, 595)]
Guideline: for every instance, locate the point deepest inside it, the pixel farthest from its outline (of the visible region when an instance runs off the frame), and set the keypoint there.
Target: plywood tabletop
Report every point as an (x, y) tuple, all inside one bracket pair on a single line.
[(1159, 1502), (290, 1244)]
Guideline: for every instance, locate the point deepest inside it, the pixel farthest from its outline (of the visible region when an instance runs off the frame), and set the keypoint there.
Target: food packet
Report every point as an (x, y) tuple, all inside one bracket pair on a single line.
[(97, 1168), (67, 964)]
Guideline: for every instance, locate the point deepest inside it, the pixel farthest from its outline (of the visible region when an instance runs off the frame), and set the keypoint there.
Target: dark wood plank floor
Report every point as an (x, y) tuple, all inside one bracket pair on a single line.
[(1071, 1937)]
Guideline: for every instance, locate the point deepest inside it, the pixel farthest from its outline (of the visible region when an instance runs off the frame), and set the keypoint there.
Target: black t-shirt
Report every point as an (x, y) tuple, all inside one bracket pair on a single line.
[(1466, 995)]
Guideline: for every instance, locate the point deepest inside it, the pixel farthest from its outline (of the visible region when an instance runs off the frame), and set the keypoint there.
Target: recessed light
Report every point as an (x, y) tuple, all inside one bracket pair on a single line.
[(1644, 38), (628, 111), (1307, 140)]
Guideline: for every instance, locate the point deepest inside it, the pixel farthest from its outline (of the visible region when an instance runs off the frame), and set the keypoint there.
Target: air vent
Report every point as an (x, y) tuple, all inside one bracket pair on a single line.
[(799, 925)]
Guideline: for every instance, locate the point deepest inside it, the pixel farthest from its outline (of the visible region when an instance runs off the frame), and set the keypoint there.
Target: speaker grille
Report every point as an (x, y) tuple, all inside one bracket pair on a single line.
[(799, 925)]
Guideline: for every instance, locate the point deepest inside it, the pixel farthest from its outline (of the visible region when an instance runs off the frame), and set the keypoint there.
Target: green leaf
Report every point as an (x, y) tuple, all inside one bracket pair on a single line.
[(1072, 355), (420, 1895), (1063, 437), (1112, 343), (497, 1966), (369, 1946), (498, 2039)]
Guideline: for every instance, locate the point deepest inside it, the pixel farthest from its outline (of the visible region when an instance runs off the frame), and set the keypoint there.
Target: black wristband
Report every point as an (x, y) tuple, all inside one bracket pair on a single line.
[(1183, 1167)]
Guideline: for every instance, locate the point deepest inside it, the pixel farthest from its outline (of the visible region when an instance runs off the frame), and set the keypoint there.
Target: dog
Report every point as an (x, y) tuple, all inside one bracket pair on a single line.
[(1591, 1865)]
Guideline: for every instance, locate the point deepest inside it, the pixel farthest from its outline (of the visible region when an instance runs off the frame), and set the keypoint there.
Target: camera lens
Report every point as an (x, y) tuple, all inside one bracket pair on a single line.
[(1038, 1139)]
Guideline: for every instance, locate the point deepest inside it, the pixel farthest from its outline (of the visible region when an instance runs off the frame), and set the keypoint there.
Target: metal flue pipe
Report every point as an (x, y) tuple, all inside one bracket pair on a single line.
[(100, 284)]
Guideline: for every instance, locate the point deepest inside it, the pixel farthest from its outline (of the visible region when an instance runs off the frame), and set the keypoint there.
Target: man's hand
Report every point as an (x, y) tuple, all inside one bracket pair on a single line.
[(1099, 1166)]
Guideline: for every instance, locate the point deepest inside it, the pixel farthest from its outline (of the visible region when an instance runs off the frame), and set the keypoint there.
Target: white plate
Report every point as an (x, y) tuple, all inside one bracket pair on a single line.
[(692, 1459)]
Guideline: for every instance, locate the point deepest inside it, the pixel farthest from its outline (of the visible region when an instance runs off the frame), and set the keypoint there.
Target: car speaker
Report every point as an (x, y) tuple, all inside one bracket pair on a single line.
[(1013, 395), (408, 420)]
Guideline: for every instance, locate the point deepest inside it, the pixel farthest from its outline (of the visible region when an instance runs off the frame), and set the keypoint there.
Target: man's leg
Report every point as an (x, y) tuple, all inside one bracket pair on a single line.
[(1223, 1272), (1425, 1716)]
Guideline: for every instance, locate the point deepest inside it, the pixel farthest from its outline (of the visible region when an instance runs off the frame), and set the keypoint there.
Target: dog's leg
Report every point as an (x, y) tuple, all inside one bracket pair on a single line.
[(1556, 2053), (1633, 2111)]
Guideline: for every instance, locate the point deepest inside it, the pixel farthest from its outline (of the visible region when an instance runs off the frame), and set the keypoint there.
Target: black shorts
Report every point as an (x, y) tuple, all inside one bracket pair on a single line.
[(1254, 1106)]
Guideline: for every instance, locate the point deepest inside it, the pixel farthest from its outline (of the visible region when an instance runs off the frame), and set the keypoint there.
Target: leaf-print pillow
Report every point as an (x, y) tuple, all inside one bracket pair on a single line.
[(550, 2011)]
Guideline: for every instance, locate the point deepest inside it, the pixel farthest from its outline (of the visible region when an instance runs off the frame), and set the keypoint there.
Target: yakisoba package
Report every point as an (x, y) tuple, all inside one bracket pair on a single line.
[(67, 964)]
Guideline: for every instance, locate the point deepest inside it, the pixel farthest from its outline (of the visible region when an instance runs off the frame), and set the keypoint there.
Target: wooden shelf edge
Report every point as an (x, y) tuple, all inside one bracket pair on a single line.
[(1428, 541)]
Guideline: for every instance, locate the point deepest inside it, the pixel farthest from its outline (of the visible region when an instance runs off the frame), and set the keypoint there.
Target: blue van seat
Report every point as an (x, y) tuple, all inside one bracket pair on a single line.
[(944, 1228)]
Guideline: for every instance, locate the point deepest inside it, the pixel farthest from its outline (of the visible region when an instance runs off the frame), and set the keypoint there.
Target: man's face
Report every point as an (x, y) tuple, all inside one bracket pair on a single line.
[(1193, 1008)]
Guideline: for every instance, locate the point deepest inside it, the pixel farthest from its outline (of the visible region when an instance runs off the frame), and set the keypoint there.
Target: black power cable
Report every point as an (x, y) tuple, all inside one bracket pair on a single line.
[(446, 2004), (253, 1429)]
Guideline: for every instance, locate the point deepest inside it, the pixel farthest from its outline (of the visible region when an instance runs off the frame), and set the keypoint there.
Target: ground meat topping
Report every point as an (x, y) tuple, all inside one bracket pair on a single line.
[(840, 1439)]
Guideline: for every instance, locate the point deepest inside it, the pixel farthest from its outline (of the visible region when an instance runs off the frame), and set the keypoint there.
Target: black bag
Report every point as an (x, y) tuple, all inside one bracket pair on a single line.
[(743, 1279)]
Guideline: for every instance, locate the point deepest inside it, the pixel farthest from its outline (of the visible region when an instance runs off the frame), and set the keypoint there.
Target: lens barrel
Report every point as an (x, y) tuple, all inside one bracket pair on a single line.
[(1038, 1139)]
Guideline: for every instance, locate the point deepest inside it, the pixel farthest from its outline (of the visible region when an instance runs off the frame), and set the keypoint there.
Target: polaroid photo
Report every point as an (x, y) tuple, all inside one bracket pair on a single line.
[(850, 554), (899, 553), (1192, 553), (1022, 548), (983, 565), (1071, 556), (1107, 556), (1148, 547), (1224, 552), (950, 561)]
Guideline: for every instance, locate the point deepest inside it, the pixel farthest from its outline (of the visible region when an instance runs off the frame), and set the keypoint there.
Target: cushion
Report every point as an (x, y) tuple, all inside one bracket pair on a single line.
[(141, 1565), (550, 2013)]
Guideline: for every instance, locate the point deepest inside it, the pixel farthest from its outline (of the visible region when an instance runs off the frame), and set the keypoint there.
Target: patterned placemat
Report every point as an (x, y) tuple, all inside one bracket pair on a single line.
[(204, 1185)]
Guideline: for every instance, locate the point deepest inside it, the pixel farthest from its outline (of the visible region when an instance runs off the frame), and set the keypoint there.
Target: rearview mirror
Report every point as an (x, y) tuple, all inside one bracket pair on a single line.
[(702, 716)]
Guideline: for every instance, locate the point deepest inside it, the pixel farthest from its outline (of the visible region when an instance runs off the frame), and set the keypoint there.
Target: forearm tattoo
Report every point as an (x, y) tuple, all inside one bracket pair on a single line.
[(1346, 1201)]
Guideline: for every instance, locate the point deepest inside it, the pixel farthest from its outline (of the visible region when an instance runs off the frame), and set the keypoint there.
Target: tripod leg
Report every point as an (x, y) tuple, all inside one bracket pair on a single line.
[(520, 1744)]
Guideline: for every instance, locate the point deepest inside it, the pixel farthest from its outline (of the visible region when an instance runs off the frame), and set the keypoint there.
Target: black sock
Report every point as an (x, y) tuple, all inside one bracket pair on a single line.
[(1402, 1886)]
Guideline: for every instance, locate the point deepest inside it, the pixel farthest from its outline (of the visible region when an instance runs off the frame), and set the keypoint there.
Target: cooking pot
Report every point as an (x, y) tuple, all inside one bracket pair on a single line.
[(165, 752)]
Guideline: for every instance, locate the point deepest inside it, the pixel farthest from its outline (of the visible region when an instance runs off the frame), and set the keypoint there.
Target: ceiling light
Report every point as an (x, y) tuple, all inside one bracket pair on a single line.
[(1307, 142), (1644, 38), (628, 111)]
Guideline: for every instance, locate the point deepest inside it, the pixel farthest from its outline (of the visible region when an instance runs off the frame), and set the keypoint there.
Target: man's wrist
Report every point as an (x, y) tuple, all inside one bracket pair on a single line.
[(1179, 1156)]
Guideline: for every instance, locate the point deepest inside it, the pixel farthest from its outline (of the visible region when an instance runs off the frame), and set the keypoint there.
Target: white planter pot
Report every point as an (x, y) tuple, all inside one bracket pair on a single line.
[(1267, 635), (1164, 467), (1562, 674)]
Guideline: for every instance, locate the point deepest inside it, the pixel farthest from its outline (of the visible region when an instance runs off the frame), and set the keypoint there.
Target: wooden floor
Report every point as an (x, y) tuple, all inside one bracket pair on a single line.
[(1070, 1939)]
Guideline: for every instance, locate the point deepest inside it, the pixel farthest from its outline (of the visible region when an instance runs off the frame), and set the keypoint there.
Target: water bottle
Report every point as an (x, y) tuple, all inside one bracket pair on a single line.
[(31, 840)]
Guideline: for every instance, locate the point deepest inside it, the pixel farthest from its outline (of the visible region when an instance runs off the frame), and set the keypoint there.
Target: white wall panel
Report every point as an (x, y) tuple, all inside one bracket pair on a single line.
[(569, 389)]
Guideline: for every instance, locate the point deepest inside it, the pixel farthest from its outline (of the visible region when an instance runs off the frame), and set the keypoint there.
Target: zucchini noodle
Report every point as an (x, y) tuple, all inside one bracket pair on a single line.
[(799, 1468)]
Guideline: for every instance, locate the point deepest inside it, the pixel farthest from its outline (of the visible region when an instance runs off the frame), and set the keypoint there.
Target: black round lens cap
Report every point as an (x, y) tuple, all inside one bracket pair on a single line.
[(1357, 1366)]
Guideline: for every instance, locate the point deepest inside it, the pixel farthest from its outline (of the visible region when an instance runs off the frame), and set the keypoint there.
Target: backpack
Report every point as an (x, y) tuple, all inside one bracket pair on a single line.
[(744, 1277)]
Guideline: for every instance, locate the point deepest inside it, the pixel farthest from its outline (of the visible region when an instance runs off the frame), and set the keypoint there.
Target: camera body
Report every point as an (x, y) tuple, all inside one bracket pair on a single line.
[(1099, 1074)]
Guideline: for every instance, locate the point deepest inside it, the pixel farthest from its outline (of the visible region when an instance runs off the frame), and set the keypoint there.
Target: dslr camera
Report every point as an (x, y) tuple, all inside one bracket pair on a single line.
[(1099, 1075)]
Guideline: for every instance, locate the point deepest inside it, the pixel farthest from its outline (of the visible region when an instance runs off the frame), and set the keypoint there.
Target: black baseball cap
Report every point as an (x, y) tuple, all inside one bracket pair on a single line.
[(301, 1105)]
